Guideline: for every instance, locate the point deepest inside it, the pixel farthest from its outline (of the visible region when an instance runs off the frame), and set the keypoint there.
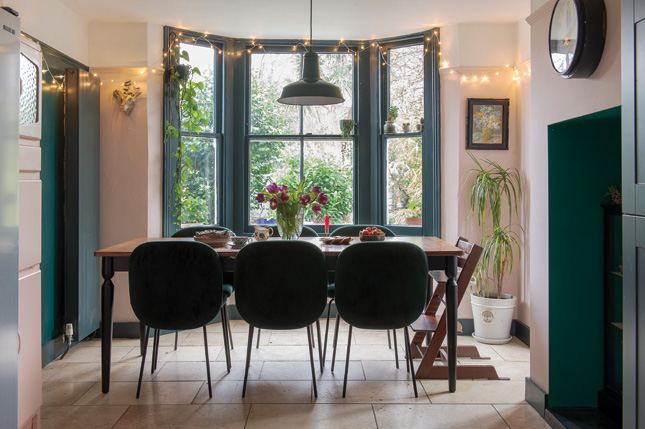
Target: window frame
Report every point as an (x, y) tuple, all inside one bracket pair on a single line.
[(283, 47), (170, 222)]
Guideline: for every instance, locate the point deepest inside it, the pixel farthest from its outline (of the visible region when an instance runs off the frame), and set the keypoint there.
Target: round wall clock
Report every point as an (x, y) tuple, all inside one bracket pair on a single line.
[(577, 37)]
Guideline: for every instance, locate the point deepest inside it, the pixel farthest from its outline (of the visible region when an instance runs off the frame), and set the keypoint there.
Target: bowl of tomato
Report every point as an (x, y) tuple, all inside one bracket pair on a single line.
[(371, 233)]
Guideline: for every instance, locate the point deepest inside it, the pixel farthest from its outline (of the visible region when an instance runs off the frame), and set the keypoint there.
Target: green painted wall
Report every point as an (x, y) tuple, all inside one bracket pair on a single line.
[(584, 160), (52, 143)]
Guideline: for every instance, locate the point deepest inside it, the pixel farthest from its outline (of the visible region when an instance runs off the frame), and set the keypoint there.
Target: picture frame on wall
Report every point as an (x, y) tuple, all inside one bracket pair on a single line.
[(487, 124)]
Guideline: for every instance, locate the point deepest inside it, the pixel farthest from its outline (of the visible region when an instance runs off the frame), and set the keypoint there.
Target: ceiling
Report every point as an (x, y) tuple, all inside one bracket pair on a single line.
[(289, 19)]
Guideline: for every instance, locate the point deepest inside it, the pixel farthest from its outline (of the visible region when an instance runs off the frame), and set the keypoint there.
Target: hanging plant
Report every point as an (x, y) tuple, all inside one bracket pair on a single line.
[(188, 114)]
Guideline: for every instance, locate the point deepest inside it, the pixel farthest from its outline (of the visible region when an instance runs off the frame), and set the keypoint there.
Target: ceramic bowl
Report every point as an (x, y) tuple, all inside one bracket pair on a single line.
[(371, 237), (239, 241)]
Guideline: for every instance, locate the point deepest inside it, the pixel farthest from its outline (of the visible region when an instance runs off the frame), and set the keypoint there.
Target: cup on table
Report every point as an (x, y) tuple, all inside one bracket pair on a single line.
[(262, 233)]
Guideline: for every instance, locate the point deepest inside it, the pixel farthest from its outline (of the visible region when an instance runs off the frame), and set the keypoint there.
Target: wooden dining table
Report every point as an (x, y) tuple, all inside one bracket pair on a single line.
[(441, 256)]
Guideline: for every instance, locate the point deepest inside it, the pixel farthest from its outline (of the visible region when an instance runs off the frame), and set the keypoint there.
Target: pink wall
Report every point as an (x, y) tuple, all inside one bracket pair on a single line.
[(554, 99)]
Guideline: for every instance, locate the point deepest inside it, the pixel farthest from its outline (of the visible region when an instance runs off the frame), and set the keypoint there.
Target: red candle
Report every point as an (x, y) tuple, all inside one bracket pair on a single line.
[(326, 221)]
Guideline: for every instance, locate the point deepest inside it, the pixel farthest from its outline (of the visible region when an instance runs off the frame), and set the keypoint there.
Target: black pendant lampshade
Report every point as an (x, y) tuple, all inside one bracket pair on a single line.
[(311, 90)]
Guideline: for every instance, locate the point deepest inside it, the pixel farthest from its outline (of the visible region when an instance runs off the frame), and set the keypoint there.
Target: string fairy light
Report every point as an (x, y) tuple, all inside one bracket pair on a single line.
[(487, 76)]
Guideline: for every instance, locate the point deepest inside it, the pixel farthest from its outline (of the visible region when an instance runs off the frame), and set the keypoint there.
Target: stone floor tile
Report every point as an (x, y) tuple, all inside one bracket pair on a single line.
[(319, 416), (370, 392), (476, 391), (258, 392), (386, 370), (301, 370), (63, 393), (124, 393), (182, 354), (437, 416), (521, 416), (184, 416), (186, 371), (93, 354), (513, 351), (71, 417)]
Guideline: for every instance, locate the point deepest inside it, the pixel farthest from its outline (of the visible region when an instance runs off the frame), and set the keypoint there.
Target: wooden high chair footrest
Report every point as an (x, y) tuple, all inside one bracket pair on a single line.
[(439, 276), (428, 324)]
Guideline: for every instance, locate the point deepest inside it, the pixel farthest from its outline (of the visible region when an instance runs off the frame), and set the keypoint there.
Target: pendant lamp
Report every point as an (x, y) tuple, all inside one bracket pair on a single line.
[(311, 90)]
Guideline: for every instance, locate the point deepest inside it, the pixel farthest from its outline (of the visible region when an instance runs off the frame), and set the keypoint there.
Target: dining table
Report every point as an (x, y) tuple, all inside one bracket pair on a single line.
[(441, 256)]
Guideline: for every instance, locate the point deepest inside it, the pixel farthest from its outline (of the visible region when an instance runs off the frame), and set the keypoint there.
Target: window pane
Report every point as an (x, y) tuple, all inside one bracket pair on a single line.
[(337, 69), (330, 165), (202, 58), (28, 91), (274, 161), (404, 180), (269, 74), (406, 82), (199, 205)]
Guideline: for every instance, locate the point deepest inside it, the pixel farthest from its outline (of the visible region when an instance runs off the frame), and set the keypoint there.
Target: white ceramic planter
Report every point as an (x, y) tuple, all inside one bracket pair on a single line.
[(493, 318)]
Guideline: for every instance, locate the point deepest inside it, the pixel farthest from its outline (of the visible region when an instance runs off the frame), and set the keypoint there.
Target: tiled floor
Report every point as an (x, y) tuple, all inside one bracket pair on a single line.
[(280, 391)]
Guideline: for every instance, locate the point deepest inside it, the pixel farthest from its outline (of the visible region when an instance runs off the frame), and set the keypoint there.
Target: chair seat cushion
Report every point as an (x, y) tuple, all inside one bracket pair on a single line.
[(227, 290), (330, 290)]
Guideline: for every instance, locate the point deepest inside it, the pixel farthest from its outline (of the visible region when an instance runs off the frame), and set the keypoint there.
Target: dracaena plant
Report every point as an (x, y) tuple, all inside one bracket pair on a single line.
[(188, 114), (495, 189)]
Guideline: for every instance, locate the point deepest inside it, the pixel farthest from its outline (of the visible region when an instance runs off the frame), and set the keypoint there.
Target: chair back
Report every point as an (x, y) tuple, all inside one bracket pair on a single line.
[(175, 284), (353, 230), (381, 285), (280, 284), (192, 230)]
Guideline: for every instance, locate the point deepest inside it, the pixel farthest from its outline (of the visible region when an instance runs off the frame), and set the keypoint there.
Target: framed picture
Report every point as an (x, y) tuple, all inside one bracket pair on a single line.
[(487, 123)]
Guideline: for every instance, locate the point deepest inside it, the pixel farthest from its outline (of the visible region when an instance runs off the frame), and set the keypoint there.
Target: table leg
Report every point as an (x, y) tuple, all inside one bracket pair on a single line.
[(451, 308), (107, 303)]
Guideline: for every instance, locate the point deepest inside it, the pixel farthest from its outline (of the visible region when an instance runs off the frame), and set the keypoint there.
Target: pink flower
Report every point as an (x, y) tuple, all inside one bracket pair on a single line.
[(260, 198), (304, 200), (273, 202), (316, 208), (316, 189), (273, 188), (322, 198), (284, 188), (284, 197)]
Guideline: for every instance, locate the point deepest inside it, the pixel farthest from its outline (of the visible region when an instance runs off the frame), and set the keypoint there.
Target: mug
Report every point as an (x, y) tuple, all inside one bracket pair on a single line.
[(262, 233)]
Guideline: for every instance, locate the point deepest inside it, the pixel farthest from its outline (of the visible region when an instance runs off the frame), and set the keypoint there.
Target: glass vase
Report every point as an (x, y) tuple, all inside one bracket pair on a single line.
[(290, 220)]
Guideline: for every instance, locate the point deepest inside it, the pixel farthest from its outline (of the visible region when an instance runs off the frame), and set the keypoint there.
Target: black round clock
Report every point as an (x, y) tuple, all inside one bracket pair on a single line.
[(577, 37)]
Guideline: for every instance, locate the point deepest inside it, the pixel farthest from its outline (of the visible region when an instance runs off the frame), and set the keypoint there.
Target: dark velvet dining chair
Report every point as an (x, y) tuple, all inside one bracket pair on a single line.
[(280, 285), (227, 288), (353, 231), (175, 285), (381, 286)]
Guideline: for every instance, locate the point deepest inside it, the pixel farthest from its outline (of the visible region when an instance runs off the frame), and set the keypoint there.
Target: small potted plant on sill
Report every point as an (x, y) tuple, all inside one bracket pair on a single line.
[(414, 214), (390, 126), (495, 188), (346, 128)]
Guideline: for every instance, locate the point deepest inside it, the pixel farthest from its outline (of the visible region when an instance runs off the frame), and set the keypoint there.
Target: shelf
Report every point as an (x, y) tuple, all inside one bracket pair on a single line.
[(616, 273), (618, 325)]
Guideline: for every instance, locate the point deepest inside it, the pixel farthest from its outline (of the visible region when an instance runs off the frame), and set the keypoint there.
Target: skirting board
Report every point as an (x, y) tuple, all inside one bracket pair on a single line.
[(535, 396), (53, 349)]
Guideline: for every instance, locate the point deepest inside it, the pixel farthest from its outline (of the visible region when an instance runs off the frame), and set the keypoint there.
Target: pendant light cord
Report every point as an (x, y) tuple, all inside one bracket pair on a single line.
[(311, 25)]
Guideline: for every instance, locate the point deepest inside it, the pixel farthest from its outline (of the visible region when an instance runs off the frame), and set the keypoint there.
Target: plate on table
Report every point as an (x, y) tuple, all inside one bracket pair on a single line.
[(213, 241), (336, 240)]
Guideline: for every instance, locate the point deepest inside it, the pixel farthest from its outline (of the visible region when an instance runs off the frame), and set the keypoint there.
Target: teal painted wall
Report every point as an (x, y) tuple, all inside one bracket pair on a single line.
[(584, 160), (52, 144)]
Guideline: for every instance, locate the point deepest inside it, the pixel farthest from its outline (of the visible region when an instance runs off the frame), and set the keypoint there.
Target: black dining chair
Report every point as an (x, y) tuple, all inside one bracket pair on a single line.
[(175, 285), (280, 285), (381, 286), (306, 232), (227, 288), (353, 231)]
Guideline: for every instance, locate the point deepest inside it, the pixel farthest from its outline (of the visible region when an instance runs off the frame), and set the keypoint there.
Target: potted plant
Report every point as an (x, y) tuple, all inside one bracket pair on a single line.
[(414, 214), (346, 128), (392, 114), (495, 190), (186, 112)]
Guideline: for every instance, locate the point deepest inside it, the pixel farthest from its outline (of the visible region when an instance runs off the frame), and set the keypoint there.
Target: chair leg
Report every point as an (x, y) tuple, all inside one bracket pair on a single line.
[(143, 358), (155, 350), (227, 351), (228, 325), (257, 345), (396, 349), (248, 359), (176, 338), (409, 353), (349, 345), (327, 331), (310, 336), (389, 341), (333, 356), (320, 355), (208, 365)]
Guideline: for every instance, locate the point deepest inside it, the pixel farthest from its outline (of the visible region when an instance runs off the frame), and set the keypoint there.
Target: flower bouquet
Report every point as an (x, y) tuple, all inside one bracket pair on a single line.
[(290, 206)]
